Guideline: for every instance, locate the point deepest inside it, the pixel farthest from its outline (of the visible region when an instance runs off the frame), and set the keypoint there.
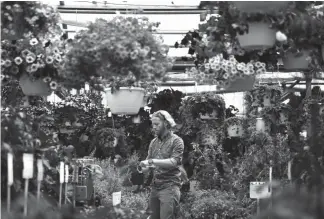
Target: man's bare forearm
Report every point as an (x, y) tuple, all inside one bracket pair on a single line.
[(165, 163)]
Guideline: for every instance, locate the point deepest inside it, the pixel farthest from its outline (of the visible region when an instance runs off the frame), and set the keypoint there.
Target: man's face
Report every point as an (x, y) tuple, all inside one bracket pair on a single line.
[(158, 126)]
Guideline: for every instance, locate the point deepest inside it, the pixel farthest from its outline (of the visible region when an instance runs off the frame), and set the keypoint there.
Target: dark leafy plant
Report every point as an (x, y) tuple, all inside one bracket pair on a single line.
[(203, 104)]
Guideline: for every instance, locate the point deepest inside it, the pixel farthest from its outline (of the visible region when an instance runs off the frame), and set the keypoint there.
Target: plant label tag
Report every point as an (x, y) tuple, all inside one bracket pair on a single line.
[(10, 168), (116, 198), (66, 173), (258, 190), (61, 172), (28, 161), (40, 170)]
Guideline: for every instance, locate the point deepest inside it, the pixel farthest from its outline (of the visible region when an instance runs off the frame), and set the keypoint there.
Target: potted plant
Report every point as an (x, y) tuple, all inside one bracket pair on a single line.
[(20, 19), (238, 32), (228, 74), (106, 141), (304, 38), (123, 47), (265, 96), (234, 126), (205, 106), (36, 62)]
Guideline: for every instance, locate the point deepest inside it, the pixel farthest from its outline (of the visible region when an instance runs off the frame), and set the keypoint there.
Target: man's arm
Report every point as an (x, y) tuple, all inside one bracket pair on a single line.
[(176, 156)]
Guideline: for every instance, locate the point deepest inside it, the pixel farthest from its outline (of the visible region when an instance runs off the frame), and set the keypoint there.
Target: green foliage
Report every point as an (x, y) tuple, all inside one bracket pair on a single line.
[(110, 181), (125, 47), (202, 104), (207, 203), (169, 100)]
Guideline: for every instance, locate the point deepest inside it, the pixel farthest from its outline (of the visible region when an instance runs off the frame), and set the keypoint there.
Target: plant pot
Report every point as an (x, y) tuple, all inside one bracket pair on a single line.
[(235, 130), (239, 84), (260, 125), (260, 6), (213, 115), (266, 101), (300, 63), (125, 101), (259, 36), (34, 88)]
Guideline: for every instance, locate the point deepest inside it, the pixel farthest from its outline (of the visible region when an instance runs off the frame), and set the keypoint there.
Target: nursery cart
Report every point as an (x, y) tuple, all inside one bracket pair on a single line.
[(81, 182)]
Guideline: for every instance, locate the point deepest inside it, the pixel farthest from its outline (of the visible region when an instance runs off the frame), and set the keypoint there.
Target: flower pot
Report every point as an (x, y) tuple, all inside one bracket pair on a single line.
[(260, 6), (260, 125), (213, 115), (125, 101), (259, 36), (235, 130), (266, 101), (239, 84), (300, 63), (34, 88)]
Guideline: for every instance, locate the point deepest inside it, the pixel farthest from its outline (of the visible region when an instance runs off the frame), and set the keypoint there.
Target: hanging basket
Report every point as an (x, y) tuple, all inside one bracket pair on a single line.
[(239, 84), (259, 36), (294, 63), (34, 88), (235, 130), (213, 115), (125, 101), (260, 6)]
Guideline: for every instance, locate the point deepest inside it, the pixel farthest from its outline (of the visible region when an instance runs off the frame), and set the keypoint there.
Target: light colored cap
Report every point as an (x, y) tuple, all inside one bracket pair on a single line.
[(162, 114)]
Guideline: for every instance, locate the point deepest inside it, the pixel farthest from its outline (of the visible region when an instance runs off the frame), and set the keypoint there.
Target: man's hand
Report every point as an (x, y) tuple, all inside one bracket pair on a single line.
[(144, 163)]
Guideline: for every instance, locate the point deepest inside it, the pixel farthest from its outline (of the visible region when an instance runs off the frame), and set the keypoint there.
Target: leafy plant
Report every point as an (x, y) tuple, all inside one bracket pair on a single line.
[(169, 100), (38, 58), (20, 19), (117, 49), (203, 104), (208, 203)]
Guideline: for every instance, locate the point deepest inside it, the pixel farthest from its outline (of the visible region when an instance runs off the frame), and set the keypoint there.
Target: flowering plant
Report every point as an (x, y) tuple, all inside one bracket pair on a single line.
[(122, 47), (304, 33), (222, 31), (38, 58), (21, 19), (221, 71)]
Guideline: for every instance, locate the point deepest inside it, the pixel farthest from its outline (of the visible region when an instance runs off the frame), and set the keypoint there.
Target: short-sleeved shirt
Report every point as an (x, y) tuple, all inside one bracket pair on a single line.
[(170, 146)]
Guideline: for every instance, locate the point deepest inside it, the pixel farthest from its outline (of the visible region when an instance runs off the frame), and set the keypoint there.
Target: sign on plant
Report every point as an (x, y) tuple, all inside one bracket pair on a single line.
[(258, 190)]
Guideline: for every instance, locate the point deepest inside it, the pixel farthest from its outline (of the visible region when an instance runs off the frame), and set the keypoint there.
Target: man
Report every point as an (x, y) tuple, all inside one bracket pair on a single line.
[(165, 159)]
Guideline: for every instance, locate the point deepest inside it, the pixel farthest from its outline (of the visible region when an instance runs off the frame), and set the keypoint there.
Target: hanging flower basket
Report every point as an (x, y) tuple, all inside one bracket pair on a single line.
[(125, 101), (296, 63), (239, 77), (260, 6), (259, 36), (213, 115), (234, 127), (34, 88)]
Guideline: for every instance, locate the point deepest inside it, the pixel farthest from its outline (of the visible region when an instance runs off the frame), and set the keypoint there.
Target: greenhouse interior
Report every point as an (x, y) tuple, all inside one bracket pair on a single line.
[(183, 109)]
